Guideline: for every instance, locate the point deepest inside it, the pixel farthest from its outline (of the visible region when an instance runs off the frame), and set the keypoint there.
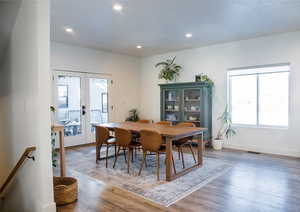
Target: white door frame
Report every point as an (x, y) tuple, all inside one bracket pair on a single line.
[(86, 136)]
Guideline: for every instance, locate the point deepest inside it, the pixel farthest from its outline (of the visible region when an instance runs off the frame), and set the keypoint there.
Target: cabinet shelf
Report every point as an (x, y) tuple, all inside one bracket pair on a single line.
[(192, 100)]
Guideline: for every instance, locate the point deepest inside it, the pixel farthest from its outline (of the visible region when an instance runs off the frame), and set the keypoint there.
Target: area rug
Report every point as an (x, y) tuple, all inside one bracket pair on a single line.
[(146, 186)]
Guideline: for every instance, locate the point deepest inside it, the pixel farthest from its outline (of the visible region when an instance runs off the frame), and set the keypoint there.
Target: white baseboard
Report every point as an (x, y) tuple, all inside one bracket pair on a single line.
[(285, 152), (51, 207)]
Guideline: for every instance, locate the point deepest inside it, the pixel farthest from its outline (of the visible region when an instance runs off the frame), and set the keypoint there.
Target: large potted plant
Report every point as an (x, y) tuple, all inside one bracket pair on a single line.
[(169, 71), (225, 130)]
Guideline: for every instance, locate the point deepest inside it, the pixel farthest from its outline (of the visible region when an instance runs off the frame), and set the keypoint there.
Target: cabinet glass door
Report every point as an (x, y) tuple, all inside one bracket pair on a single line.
[(172, 105), (192, 105)]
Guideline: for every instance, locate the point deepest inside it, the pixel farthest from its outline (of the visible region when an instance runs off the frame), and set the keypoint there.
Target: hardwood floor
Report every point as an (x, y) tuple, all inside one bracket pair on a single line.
[(257, 182)]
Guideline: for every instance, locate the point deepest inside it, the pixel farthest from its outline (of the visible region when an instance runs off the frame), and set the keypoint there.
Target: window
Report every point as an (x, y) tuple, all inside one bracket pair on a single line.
[(259, 96), (63, 96)]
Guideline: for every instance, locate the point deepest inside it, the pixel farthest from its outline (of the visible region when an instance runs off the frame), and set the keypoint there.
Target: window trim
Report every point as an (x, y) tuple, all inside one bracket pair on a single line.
[(229, 88)]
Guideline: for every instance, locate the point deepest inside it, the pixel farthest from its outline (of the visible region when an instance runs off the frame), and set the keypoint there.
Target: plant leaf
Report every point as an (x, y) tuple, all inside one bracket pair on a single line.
[(161, 63)]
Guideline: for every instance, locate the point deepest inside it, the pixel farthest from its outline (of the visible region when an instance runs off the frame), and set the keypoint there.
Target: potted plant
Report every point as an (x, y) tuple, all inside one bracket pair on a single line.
[(133, 115), (65, 188), (53, 137), (204, 78), (225, 130), (170, 71)]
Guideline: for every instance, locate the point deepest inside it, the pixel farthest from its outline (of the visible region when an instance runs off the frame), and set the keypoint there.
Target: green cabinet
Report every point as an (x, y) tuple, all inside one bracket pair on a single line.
[(187, 102)]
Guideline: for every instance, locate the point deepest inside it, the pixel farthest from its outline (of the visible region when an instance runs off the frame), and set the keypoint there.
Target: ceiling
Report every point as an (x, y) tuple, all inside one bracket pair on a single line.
[(8, 12), (160, 25)]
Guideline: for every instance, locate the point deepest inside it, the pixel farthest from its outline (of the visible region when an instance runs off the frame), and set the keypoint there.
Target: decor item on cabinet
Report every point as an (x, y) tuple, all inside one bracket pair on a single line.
[(225, 129), (169, 107), (170, 71), (133, 115), (203, 78), (171, 117), (193, 118)]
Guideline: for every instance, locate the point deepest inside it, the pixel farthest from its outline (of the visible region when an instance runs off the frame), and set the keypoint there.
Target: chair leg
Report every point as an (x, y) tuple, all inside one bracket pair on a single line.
[(128, 160), (124, 150), (119, 148), (173, 164), (106, 159), (182, 158), (190, 146), (143, 161), (98, 151), (158, 165), (131, 155)]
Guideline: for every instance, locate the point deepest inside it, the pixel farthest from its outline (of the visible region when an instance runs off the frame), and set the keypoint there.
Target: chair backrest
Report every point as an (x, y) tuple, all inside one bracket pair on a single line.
[(164, 123), (102, 135), (144, 121), (150, 140), (186, 124), (123, 137)]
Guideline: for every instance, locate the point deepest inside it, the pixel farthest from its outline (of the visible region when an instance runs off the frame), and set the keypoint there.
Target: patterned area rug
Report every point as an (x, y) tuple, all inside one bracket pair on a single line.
[(146, 186)]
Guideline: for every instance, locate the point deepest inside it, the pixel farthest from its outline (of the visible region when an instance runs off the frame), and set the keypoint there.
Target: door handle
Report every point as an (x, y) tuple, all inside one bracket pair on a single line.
[(83, 110)]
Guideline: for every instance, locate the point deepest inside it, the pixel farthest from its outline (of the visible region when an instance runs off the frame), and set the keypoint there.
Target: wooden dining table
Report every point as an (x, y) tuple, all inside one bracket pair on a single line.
[(170, 133)]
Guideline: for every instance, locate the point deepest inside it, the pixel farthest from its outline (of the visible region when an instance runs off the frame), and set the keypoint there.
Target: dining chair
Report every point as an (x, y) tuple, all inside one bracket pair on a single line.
[(184, 142), (125, 141), (152, 142), (104, 139), (167, 123), (144, 121)]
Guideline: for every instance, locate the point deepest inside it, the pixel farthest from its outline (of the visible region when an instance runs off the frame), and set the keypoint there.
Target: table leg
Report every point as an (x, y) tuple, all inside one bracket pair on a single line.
[(62, 153), (169, 159), (200, 149)]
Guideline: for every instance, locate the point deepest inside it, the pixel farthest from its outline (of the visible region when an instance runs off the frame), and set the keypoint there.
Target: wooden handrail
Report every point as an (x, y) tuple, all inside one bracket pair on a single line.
[(24, 156)]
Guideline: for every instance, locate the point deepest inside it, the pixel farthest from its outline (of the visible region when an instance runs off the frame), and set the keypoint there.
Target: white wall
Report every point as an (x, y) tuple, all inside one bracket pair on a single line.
[(124, 71), (24, 110), (215, 61)]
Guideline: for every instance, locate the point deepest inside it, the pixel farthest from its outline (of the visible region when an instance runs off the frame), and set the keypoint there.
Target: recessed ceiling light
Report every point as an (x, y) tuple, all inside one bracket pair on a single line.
[(188, 35), (139, 46), (69, 30), (117, 7)]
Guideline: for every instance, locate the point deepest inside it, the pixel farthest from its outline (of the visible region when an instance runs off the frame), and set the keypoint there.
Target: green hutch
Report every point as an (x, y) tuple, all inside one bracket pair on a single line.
[(187, 102)]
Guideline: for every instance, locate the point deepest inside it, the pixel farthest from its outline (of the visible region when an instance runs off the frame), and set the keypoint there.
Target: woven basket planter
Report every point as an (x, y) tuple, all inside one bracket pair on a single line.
[(65, 190)]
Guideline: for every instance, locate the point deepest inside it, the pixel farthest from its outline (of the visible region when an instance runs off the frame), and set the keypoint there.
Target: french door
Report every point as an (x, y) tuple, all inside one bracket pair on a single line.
[(81, 101)]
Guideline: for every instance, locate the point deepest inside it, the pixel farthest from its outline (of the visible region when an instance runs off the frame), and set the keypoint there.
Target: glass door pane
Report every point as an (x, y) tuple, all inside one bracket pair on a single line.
[(172, 105), (98, 91), (192, 105), (69, 104)]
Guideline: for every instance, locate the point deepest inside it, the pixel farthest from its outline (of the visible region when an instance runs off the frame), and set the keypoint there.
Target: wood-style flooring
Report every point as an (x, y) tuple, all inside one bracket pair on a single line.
[(256, 183)]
